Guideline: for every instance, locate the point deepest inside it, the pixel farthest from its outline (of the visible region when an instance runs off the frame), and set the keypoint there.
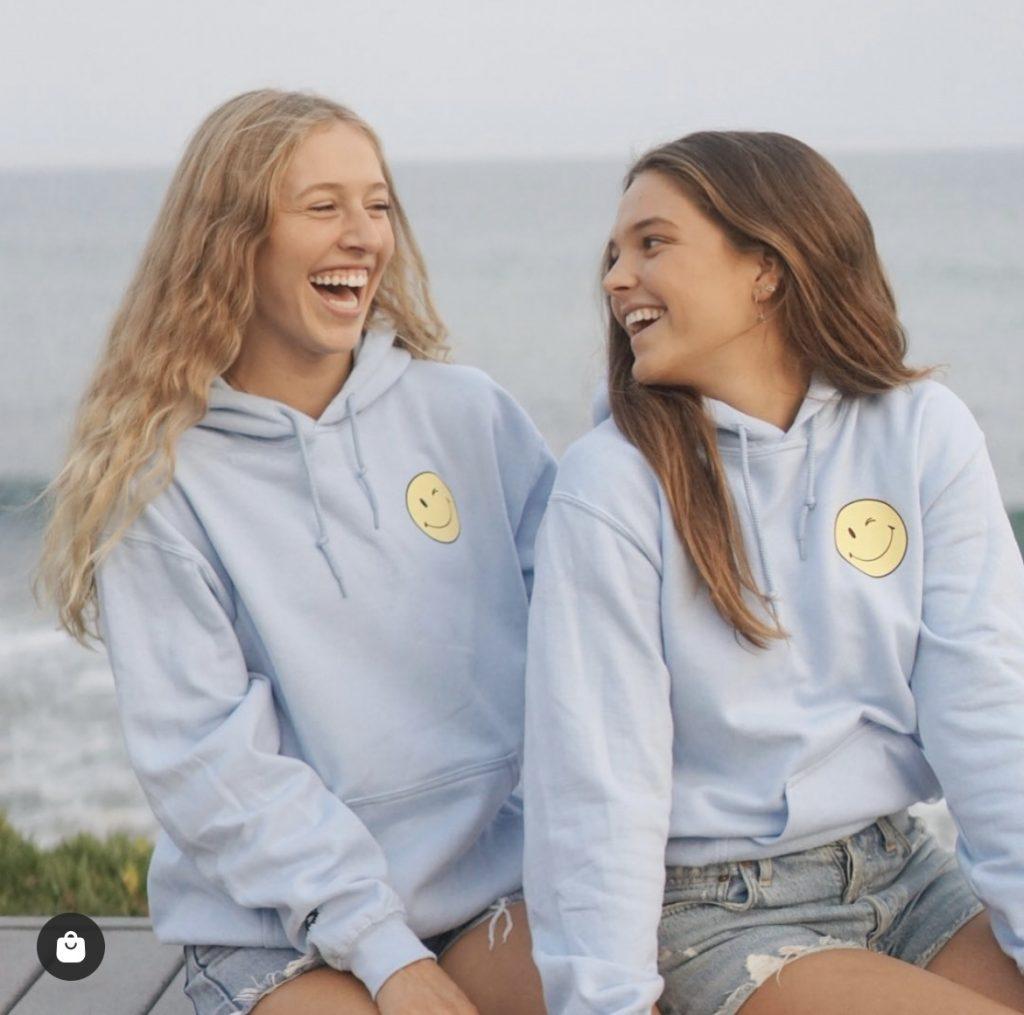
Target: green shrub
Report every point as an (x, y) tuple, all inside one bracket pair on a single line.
[(83, 874)]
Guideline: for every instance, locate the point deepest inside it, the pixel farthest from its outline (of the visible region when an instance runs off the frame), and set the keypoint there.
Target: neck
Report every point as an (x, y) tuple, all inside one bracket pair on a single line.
[(304, 382), (761, 379)]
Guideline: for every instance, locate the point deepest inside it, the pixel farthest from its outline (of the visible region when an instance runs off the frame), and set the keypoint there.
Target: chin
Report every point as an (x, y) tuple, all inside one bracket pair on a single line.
[(337, 339), (645, 370)]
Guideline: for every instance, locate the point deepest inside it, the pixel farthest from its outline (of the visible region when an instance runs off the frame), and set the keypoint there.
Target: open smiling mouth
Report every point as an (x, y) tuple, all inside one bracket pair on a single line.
[(868, 560), (638, 320), (341, 292)]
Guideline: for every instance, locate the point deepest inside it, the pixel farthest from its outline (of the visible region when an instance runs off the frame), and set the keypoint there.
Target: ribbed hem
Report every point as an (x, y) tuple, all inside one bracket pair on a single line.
[(384, 949)]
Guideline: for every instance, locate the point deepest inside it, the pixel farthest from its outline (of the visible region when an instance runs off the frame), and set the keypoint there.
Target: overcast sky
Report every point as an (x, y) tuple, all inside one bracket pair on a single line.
[(123, 82)]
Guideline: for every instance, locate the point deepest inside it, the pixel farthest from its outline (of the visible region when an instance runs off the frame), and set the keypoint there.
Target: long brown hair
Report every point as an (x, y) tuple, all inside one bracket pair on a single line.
[(181, 322), (835, 310)]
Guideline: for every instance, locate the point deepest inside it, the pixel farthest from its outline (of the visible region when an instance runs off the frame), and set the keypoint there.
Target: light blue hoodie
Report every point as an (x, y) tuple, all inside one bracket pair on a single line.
[(318, 638), (657, 735)]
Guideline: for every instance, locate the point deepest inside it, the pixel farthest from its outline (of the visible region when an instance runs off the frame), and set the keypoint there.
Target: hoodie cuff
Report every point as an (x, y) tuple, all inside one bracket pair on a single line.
[(384, 949)]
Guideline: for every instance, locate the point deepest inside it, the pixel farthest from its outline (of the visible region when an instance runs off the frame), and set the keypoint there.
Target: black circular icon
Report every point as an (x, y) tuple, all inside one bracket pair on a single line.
[(70, 946)]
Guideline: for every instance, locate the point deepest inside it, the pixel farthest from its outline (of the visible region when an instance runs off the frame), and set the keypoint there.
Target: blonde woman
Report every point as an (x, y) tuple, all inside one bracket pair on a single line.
[(307, 541), (778, 601)]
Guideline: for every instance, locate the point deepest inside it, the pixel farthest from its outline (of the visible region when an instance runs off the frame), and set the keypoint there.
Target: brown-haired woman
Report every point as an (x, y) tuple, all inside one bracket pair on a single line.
[(309, 543), (777, 602)]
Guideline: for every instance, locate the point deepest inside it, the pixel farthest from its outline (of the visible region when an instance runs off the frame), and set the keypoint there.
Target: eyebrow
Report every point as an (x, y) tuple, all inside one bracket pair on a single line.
[(637, 227), (652, 221), (337, 186)]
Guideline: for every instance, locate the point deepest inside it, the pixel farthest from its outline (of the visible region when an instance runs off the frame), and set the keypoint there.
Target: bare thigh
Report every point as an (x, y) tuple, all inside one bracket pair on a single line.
[(972, 957), (502, 981), (861, 982), (321, 991)]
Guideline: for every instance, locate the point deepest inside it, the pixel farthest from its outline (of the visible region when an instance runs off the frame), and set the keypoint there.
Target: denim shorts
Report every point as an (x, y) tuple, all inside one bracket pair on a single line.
[(223, 978), (725, 928)]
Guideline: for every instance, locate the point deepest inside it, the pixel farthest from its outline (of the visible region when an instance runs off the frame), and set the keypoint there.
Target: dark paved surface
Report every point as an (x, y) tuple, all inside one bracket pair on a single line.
[(138, 975)]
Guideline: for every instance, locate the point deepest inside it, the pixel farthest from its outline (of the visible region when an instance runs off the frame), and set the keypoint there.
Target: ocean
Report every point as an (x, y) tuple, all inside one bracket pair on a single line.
[(513, 251)]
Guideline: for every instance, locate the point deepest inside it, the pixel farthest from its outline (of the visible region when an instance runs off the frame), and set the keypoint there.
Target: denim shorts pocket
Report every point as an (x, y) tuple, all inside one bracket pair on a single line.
[(732, 890)]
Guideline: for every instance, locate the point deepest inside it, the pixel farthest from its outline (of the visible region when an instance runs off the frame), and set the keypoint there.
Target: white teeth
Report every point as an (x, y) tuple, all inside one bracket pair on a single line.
[(353, 279), (643, 314)]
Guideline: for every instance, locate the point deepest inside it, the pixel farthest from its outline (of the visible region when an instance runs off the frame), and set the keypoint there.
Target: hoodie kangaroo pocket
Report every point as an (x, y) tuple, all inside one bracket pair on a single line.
[(823, 795), (423, 827)]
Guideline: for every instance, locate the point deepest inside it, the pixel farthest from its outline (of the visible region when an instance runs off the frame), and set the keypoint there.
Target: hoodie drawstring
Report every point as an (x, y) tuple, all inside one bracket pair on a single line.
[(806, 508), (809, 500), (772, 595), (323, 542), (361, 474)]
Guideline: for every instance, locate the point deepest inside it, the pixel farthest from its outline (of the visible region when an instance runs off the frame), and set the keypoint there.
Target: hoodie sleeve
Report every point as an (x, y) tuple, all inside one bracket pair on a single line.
[(527, 472), (203, 738), (968, 683), (537, 493), (598, 764)]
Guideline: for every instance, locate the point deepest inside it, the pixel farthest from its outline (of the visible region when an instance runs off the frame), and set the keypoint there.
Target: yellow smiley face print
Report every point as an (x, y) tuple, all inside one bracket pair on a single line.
[(432, 507), (871, 536)]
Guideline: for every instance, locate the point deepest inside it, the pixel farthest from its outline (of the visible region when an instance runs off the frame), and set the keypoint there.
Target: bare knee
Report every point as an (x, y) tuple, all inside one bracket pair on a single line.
[(321, 991)]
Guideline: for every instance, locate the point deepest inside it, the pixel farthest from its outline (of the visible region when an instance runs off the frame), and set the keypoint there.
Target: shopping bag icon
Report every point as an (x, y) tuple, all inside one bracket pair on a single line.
[(70, 948)]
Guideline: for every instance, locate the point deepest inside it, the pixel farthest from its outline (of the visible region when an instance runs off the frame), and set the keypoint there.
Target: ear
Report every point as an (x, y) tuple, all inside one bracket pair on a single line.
[(769, 275), (770, 268)]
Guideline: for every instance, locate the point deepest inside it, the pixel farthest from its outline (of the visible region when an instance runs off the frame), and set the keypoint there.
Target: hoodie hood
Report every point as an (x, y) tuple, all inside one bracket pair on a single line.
[(731, 422), (378, 364), (737, 430)]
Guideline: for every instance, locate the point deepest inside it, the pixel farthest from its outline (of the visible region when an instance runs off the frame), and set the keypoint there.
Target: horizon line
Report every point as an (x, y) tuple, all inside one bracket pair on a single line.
[(519, 158)]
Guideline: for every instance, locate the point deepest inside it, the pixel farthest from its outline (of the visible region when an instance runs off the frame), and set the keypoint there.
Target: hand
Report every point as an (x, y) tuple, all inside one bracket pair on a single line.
[(422, 988)]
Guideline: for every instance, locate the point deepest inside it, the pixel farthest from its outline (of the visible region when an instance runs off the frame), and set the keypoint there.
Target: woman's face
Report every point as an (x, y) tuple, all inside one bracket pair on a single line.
[(678, 287), (329, 242)]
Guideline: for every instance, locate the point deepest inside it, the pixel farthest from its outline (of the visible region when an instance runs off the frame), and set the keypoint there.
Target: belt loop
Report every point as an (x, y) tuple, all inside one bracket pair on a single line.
[(888, 834), (894, 838), (764, 870), (901, 818), (747, 872)]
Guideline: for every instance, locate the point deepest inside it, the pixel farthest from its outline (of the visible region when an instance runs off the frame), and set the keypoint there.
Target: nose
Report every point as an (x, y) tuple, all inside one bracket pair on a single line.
[(360, 232), (619, 278)]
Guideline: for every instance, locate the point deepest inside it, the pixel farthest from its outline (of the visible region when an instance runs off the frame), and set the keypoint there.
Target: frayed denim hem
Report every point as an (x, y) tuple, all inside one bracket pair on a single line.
[(763, 967), (500, 908), (939, 943), (248, 997)]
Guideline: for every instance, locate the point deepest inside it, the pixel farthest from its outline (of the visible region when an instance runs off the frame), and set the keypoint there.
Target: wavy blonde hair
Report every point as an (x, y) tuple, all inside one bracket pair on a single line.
[(181, 323)]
